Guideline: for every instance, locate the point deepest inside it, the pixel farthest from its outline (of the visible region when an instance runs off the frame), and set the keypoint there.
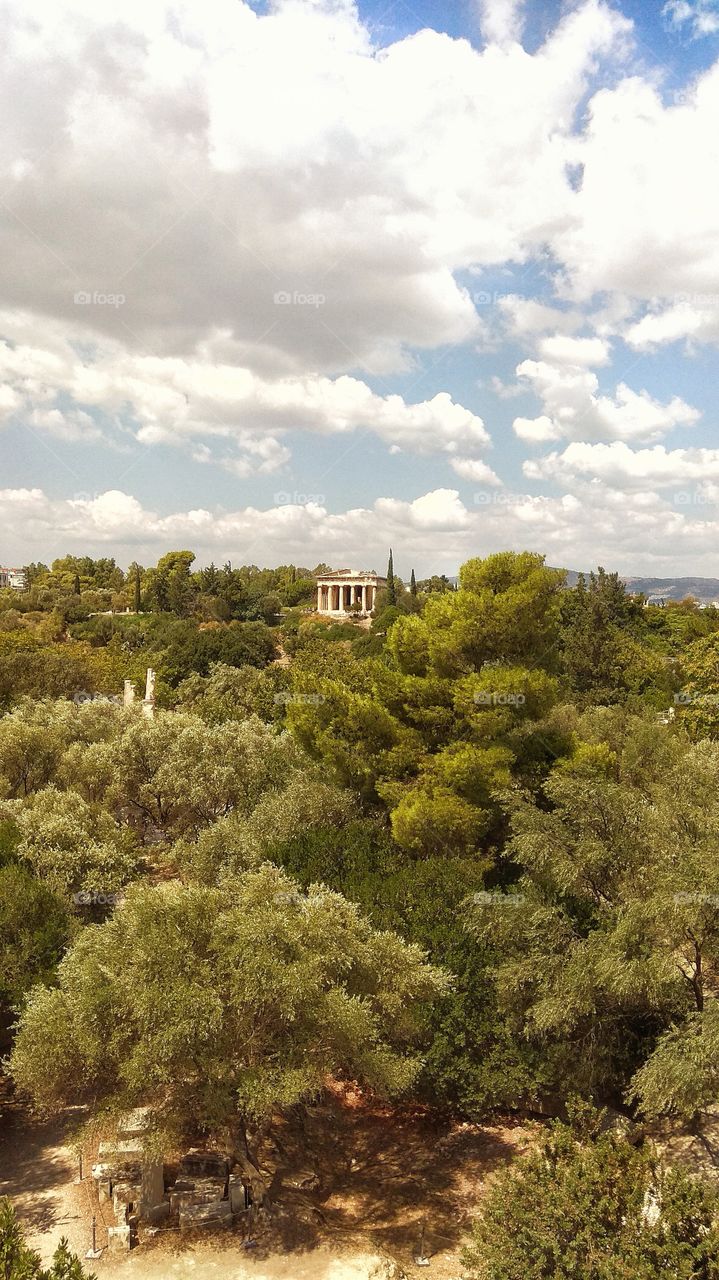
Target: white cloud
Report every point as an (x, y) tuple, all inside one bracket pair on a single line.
[(220, 412), (434, 533), (574, 408), (625, 469), (502, 21), (525, 317), (137, 170), (563, 350), (701, 17), (474, 469), (694, 318), (643, 222), (536, 430)]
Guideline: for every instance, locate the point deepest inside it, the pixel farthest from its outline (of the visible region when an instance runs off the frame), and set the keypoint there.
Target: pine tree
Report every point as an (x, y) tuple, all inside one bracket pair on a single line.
[(391, 589)]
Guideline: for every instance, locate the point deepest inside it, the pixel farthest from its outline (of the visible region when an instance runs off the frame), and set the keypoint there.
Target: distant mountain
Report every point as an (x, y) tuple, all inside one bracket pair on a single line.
[(705, 590)]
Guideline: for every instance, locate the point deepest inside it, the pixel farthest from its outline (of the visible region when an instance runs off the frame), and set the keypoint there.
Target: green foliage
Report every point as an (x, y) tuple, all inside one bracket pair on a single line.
[(235, 693), (471, 1064), (73, 846), (615, 930), (390, 589), (588, 1205), (176, 774), (18, 1262), (35, 928), (604, 654), (216, 1002)]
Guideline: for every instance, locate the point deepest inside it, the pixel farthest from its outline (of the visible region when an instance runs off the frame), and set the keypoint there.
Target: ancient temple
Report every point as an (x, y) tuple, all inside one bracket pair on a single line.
[(348, 591)]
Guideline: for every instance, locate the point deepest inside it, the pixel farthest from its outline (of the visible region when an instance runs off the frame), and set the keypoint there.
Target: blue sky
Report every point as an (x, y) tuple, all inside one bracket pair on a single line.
[(295, 281)]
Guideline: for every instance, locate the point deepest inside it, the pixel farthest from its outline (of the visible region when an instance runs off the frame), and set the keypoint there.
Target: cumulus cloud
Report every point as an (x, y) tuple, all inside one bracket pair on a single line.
[(563, 350), (435, 531), (219, 411), (574, 408), (502, 21), (622, 468), (643, 222), (699, 17), (475, 469), (695, 318), (175, 274), (137, 170)]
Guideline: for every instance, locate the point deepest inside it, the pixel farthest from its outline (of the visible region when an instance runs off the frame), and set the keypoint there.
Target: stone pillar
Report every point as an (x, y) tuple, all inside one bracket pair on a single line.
[(128, 696), (364, 597), (148, 705), (319, 597)]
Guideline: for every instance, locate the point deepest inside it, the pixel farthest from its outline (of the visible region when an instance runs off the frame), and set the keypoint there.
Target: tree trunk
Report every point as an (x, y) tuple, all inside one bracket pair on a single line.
[(250, 1168)]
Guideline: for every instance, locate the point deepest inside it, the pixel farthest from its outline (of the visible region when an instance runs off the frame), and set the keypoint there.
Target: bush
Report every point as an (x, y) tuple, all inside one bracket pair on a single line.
[(588, 1205)]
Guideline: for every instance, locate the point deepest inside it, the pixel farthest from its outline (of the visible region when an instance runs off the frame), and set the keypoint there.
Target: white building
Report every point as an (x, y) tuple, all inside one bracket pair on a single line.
[(348, 591), (16, 579)]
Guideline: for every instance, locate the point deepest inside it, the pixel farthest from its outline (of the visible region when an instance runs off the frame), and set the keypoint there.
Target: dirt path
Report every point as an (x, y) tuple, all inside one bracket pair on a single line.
[(38, 1170), (207, 1262), (353, 1182)]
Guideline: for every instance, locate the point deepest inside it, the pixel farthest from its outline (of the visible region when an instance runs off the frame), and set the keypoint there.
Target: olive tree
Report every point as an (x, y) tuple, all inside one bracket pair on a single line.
[(217, 1005)]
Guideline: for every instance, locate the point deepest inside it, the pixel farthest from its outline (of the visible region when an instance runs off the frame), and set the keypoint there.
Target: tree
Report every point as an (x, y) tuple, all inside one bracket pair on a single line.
[(19, 1262), (604, 652), (34, 931), (612, 936), (589, 1205), (506, 610), (74, 847), (173, 775), (136, 587), (218, 1005), (390, 589), (412, 584), (171, 581)]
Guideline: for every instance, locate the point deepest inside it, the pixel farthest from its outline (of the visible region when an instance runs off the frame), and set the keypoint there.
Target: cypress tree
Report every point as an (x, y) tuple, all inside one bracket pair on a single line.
[(137, 588), (412, 584), (391, 590)]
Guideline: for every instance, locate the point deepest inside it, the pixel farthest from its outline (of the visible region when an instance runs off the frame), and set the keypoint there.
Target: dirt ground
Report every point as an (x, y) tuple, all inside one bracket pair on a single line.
[(352, 1182)]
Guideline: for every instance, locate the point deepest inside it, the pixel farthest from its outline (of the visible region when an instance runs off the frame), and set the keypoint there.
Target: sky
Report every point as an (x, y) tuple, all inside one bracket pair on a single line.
[(298, 280)]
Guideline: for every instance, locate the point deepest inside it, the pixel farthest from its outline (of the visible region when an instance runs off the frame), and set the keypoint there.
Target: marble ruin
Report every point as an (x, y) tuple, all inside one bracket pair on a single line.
[(201, 1190), (348, 591)]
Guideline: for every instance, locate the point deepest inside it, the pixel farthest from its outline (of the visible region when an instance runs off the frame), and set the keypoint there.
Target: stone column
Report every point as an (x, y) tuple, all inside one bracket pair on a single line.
[(319, 597), (148, 705)]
